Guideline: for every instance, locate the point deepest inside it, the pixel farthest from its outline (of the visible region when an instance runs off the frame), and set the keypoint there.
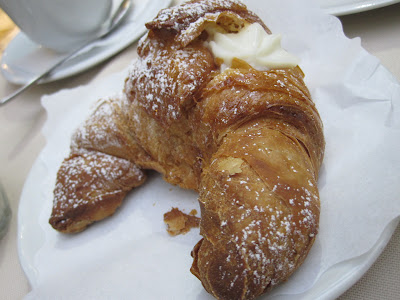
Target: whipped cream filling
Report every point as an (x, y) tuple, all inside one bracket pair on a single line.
[(253, 45)]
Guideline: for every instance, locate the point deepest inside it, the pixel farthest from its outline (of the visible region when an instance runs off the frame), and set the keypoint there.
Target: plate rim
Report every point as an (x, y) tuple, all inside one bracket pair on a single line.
[(351, 8)]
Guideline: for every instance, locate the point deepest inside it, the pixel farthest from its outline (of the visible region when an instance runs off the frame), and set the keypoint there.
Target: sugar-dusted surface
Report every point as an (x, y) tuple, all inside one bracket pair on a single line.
[(165, 80), (96, 130), (107, 131), (180, 17), (260, 220), (90, 186)]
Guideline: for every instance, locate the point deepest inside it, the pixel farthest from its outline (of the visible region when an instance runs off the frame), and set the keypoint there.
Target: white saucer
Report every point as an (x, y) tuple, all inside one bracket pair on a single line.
[(23, 59), (345, 7)]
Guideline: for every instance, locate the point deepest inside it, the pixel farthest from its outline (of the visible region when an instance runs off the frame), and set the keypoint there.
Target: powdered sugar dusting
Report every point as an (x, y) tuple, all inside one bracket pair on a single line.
[(269, 211), (101, 128), (90, 176), (164, 81), (176, 18)]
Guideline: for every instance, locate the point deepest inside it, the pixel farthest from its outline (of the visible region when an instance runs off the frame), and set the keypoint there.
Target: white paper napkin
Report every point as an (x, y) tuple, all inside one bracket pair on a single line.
[(131, 256)]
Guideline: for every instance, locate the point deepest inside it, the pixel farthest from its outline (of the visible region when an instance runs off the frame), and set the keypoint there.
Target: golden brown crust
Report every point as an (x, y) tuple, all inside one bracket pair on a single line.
[(240, 95), (91, 186), (107, 131), (259, 209), (92, 182), (251, 142), (163, 87)]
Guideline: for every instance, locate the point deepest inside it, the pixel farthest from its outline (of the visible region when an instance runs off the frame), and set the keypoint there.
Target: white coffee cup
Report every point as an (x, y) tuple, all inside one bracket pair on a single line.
[(58, 24)]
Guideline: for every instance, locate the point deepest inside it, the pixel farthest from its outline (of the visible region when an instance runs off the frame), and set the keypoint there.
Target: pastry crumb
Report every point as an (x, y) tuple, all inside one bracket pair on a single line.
[(180, 223)]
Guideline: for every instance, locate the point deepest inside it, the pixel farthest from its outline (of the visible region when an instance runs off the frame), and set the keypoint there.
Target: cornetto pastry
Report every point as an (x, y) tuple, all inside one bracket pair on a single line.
[(214, 104)]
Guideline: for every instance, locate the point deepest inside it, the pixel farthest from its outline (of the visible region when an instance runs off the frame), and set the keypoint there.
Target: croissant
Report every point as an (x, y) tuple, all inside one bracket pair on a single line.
[(250, 141)]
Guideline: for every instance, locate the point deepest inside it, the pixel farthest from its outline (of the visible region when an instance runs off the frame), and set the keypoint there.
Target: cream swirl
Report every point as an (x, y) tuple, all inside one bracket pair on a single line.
[(253, 45)]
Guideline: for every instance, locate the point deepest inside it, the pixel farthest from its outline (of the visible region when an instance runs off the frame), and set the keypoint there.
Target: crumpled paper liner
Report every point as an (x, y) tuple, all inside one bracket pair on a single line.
[(130, 255)]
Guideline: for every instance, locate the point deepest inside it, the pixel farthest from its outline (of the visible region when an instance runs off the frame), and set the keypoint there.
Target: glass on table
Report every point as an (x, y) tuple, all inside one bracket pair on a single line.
[(7, 30), (5, 212)]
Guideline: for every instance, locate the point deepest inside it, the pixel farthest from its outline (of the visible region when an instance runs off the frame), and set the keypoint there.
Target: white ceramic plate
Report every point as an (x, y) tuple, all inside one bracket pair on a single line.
[(145, 257), (23, 59), (345, 7)]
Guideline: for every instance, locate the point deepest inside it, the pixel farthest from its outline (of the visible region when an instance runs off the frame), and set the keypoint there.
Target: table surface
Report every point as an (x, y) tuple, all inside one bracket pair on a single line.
[(21, 141)]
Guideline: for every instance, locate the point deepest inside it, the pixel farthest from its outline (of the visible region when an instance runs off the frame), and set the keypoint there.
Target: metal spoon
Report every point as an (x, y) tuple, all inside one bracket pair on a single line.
[(116, 19)]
